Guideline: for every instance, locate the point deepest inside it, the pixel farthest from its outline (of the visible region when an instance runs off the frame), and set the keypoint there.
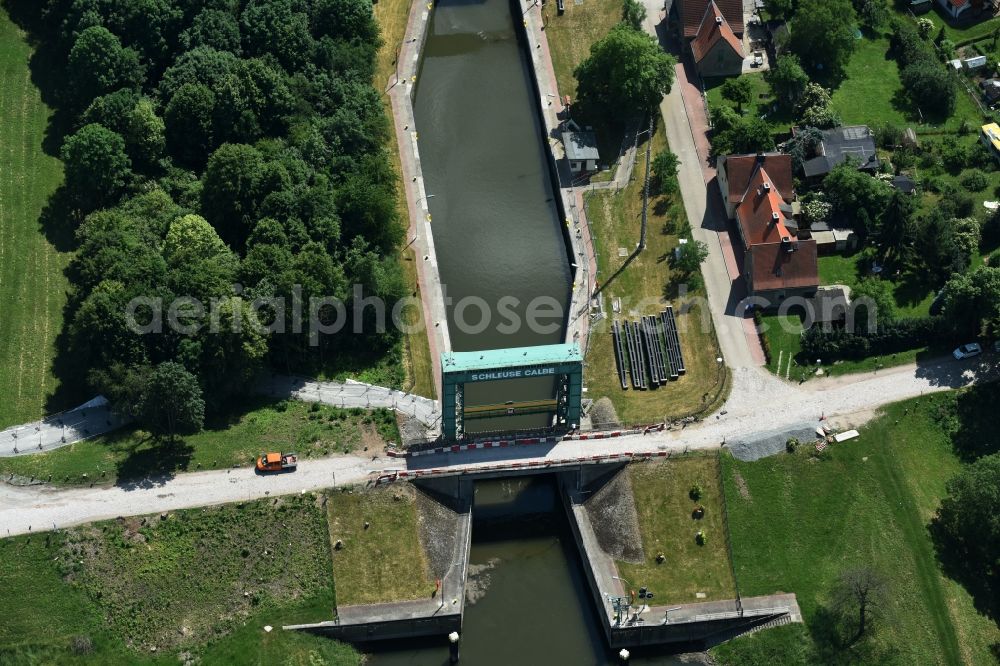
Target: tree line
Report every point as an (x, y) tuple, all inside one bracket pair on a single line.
[(213, 143)]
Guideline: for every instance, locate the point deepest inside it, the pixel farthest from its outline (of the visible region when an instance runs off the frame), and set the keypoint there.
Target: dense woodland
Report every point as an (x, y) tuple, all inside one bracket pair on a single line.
[(207, 144)]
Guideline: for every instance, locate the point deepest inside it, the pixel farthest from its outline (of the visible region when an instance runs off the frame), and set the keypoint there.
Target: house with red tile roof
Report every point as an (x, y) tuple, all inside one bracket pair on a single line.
[(777, 263), (716, 49), (734, 173), (692, 12)]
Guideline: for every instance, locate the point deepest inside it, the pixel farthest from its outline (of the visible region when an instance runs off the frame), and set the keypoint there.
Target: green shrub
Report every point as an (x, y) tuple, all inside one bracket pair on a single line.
[(791, 444), (695, 492), (975, 181)]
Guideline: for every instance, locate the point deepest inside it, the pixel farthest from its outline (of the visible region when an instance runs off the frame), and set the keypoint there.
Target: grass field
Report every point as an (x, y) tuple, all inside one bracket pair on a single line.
[(287, 425), (644, 286), (571, 35), (391, 16), (384, 562), (203, 583), (32, 284), (798, 520), (667, 526)]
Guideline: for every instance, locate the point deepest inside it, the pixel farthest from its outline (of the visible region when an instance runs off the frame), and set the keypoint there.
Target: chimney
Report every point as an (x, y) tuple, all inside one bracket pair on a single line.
[(767, 188), (718, 20), (774, 218)]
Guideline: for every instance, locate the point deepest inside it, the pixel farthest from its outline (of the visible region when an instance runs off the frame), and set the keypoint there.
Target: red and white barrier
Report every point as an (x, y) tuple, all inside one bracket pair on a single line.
[(526, 441)]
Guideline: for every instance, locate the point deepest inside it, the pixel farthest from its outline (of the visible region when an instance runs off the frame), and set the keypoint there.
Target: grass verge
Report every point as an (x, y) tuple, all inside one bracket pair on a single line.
[(644, 287), (309, 429), (201, 584), (798, 520), (667, 524), (391, 16), (32, 284), (384, 561)]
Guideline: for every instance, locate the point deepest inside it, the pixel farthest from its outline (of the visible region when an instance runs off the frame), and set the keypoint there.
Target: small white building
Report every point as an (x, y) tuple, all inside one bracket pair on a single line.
[(581, 149)]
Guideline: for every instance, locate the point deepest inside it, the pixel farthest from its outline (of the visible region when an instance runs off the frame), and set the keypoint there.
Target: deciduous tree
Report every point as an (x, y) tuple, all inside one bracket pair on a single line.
[(787, 79), (99, 64), (860, 593), (739, 91), (823, 35), (97, 168), (967, 532), (626, 74), (172, 403)]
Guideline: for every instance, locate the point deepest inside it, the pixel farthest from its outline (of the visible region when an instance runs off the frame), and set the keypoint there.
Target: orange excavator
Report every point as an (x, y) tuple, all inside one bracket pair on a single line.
[(277, 462)]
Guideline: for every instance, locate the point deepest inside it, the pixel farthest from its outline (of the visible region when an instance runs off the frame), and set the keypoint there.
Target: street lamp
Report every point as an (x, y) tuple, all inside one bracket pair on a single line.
[(427, 196)]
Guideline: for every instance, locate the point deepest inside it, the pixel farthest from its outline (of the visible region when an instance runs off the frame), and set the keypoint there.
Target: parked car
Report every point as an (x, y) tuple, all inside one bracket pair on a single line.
[(967, 351)]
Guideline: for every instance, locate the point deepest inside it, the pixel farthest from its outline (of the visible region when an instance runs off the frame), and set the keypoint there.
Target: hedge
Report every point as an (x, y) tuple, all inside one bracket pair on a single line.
[(897, 336)]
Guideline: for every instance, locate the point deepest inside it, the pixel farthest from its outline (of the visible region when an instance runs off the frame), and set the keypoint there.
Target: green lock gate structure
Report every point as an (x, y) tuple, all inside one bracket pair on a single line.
[(564, 363)]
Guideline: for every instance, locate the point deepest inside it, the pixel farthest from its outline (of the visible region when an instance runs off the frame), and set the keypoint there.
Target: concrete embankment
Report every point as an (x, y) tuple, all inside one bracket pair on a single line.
[(705, 623)]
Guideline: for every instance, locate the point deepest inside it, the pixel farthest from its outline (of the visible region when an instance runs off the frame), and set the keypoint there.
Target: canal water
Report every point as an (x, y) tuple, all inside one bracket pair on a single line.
[(495, 220), (531, 602), (497, 233)]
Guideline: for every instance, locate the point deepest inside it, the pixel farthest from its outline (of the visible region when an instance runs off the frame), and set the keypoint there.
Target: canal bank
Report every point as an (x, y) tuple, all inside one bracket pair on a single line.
[(575, 225), (401, 95)]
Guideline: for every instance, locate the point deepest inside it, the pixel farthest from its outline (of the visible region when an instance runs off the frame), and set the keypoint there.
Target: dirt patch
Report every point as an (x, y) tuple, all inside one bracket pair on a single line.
[(741, 485), (614, 519), (370, 439), (438, 528)]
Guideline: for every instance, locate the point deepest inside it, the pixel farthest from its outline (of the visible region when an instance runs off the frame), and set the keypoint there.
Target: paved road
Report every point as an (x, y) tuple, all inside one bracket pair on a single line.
[(760, 402)]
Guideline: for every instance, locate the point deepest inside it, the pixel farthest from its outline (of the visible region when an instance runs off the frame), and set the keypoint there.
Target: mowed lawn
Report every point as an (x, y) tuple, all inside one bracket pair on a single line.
[(571, 35), (797, 521), (384, 561), (668, 526), (32, 284), (872, 94), (644, 287)]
